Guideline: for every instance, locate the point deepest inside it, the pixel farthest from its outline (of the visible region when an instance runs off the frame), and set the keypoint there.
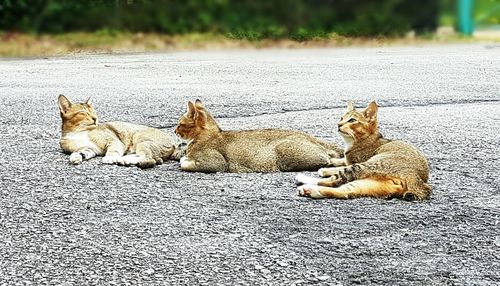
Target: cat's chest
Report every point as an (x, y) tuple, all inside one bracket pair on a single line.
[(75, 141)]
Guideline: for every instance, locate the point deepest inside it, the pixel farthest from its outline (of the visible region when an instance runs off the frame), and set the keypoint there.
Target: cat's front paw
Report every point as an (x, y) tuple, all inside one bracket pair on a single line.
[(330, 172), (311, 191), (324, 172), (338, 162), (129, 160), (302, 179), (187, 165), (76, 158), (110, 159)]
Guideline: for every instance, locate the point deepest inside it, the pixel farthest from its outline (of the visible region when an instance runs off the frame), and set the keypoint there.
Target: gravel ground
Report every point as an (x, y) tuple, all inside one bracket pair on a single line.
[(95, 224)]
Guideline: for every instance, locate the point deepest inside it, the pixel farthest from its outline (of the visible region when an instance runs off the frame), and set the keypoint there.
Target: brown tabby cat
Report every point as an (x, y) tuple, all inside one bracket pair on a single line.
[(372, 167), (266, 150), (84, 138)]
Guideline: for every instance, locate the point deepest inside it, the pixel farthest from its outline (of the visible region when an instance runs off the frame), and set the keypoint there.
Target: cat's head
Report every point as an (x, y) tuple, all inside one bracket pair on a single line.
[(358, 124), (196, 122), (77, 116)]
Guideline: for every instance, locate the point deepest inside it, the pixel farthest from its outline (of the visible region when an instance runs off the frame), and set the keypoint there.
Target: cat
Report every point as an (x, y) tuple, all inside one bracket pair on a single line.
[(119, 142), (265, 150), (372, 165)]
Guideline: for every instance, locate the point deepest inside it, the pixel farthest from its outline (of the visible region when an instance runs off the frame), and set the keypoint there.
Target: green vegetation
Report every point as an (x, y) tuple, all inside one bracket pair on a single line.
[(238, 19), (487, 12), (59, 27)]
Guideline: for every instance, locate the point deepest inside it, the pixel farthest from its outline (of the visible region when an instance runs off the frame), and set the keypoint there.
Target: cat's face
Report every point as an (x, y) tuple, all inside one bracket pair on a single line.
[(355, 125), (77, 116), (193, 122)]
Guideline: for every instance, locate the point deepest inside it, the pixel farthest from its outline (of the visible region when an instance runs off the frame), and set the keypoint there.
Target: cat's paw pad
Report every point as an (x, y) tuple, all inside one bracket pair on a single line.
[(303, 192), (76, 158), (110, 159), (311, 191), (301, 179)]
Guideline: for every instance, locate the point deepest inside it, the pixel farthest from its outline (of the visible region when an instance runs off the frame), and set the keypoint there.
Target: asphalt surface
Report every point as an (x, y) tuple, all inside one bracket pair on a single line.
[(95, 224)]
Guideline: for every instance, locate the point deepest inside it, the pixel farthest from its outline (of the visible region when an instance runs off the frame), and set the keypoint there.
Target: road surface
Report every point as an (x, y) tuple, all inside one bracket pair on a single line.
[(95, 224)]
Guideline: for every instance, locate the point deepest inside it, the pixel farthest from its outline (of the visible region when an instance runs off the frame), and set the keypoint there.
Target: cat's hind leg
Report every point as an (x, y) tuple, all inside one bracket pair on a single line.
[(143, 156), (114, 152), (369, 187), (206, 161), (300, 156)]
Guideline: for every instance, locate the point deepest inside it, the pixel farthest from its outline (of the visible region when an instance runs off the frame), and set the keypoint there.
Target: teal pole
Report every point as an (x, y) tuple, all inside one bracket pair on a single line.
[(465, 21)]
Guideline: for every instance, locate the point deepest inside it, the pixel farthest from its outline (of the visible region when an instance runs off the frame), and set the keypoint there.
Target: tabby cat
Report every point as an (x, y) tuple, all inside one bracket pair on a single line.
[(263, 150), (119, 142), (372, 166)]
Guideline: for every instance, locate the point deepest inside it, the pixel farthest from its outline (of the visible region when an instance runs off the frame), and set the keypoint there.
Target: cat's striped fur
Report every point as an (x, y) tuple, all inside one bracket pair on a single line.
[(372, 166)]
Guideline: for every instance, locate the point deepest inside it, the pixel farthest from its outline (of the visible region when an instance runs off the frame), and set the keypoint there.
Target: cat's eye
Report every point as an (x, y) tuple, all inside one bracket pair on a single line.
[(351, 120)]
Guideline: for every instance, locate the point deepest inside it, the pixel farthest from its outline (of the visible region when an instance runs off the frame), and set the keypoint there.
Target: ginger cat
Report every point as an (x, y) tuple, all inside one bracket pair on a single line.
[(372, 167), (120, 142), (267, 150)]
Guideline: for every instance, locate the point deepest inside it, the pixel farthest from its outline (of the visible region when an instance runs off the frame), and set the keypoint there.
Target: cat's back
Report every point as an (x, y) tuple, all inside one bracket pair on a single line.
[(405, 156), (120, 127), (130, 132), (262, 135), (401, 148), (260, 139)]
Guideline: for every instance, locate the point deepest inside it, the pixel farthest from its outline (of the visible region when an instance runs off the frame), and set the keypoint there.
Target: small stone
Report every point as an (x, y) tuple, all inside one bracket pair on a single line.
[(325, 240), (149, 271), (497, 241), (265, 271), (323, 277), (283, 263)]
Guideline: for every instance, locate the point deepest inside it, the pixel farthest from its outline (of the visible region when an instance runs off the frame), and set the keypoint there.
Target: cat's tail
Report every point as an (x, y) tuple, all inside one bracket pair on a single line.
[(416, 189)]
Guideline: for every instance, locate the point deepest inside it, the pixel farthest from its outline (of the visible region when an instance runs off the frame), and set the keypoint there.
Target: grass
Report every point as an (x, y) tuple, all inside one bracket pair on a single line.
[(109, 41)]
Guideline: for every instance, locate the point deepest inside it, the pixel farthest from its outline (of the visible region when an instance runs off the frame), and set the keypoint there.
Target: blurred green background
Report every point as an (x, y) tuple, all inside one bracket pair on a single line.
[(240, 19)]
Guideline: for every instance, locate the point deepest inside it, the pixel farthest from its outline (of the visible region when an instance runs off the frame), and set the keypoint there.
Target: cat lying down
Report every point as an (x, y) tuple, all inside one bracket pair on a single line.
[(372, 166), (119, 142), (264, 150)]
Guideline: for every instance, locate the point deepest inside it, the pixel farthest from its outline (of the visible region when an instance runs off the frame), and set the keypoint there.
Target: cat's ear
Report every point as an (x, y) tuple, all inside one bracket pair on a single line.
[(350, 106), (371, 111), (64, 103), (191, 109), (198, 104), (89, 100), (200, 117)]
